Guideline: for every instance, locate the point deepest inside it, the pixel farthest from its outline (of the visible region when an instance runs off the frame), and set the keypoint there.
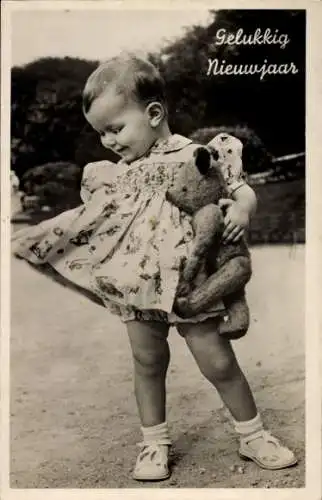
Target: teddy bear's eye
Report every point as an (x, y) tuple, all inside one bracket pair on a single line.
[(215, 154)]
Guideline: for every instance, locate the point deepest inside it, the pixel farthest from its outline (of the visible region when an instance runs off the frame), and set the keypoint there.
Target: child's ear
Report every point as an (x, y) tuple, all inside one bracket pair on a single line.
[(156, 113), (202, 160)]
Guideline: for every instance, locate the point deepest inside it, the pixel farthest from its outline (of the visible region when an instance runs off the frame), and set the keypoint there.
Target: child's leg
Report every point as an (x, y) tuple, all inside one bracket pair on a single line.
[(217, 361), (151, 357)]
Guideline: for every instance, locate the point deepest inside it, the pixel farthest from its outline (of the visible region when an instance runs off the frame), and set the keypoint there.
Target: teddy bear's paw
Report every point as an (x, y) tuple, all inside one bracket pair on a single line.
[(184, 288), (182, 307), (230, 330), (236, 323)]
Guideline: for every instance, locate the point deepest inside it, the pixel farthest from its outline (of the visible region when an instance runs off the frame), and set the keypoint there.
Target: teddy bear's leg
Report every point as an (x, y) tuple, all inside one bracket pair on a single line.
[(208, 224), (230, 277), (235, 323)]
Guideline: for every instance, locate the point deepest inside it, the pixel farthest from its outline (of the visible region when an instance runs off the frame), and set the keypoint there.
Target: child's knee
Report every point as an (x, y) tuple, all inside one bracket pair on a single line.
[(221, 369), (214, 355), (151, 362), (149, 346), (225, 368)]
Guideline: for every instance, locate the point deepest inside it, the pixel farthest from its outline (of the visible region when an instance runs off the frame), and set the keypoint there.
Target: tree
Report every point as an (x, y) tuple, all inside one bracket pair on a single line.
[(274, 107), (46, 114), (46, 111)]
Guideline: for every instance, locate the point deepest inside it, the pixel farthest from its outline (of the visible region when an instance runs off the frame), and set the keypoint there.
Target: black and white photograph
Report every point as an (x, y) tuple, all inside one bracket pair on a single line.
[(157, 168)]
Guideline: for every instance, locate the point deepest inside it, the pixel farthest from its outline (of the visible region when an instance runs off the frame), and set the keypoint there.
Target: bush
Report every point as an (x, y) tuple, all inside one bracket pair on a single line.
[(47, 122), (256, 158), (56, 185)]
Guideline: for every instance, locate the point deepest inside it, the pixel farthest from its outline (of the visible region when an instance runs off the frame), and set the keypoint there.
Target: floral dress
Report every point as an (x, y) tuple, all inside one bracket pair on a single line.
[(126, 242)]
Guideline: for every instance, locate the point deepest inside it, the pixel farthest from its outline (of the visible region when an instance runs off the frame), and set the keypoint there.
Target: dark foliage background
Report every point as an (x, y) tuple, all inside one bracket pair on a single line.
[(51, 141), (274, 107)]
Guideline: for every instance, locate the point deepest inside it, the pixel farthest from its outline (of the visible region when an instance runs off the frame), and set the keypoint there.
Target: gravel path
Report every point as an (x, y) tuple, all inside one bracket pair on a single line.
[(73, 416)]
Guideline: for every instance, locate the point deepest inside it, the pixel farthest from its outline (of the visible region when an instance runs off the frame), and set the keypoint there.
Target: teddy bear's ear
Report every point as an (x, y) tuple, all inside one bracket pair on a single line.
[(202, 160)]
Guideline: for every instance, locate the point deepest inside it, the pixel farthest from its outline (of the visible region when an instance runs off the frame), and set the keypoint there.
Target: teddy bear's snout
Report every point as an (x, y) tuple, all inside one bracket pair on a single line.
[(215, 154)]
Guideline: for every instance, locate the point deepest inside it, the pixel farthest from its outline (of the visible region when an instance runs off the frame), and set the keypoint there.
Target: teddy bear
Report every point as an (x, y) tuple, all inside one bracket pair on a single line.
[(223, 269)]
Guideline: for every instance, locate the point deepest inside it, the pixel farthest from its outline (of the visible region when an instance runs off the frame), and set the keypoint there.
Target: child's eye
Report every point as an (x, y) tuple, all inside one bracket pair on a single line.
[(110, 130), (116, 130)]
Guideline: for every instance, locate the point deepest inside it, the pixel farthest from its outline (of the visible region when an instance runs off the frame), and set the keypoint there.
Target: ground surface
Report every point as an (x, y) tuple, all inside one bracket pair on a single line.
[(74, 421)]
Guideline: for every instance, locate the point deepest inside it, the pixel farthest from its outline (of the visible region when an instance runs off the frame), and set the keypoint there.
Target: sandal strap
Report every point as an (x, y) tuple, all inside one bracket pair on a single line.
[(268, 438), (270, 449), (151, 450), (160, 441)]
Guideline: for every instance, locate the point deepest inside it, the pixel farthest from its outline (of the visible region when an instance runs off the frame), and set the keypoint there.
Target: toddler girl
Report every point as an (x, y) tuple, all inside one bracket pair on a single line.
[(123, 246)]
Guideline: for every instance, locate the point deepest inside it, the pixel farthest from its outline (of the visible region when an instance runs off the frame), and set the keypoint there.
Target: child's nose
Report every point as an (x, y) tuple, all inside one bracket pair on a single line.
[(108, 140)]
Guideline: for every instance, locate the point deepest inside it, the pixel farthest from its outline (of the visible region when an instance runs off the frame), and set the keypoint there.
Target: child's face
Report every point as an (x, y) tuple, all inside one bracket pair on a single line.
[(126, 127)]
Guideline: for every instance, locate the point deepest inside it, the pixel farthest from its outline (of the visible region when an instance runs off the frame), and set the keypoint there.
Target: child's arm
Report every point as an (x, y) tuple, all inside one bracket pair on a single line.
[(239, 211), (95, 175)]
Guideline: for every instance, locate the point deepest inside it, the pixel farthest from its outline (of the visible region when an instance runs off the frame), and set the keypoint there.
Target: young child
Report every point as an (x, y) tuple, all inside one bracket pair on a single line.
[(122, 245)]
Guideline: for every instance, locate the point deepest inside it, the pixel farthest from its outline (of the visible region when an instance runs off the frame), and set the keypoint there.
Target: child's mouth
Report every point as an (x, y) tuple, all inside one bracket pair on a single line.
[(120, 151)]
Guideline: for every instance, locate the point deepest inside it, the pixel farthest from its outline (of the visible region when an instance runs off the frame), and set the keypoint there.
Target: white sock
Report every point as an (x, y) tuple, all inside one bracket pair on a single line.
[(246, 428), (156, 434)]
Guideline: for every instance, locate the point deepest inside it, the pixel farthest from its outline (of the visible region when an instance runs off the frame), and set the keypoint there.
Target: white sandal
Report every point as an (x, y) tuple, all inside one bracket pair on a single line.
[(270, 455), (152, 462)]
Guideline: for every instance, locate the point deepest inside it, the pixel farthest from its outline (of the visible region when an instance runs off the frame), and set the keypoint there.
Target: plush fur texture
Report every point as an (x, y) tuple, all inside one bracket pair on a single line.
[(222, 270)]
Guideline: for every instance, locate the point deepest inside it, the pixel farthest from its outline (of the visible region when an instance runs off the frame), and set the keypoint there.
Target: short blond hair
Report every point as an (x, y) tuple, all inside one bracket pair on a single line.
[(134, 77)]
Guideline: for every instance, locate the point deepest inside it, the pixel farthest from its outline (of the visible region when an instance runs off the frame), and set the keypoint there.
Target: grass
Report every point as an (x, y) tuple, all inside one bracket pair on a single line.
[(280, 216)]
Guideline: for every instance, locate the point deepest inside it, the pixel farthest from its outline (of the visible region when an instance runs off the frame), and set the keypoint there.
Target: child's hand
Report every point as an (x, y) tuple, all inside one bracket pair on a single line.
[(236, 220)]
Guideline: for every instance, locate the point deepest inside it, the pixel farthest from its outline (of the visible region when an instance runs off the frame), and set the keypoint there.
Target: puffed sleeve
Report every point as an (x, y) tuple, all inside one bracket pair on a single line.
[(96, 175), (230, 151)]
